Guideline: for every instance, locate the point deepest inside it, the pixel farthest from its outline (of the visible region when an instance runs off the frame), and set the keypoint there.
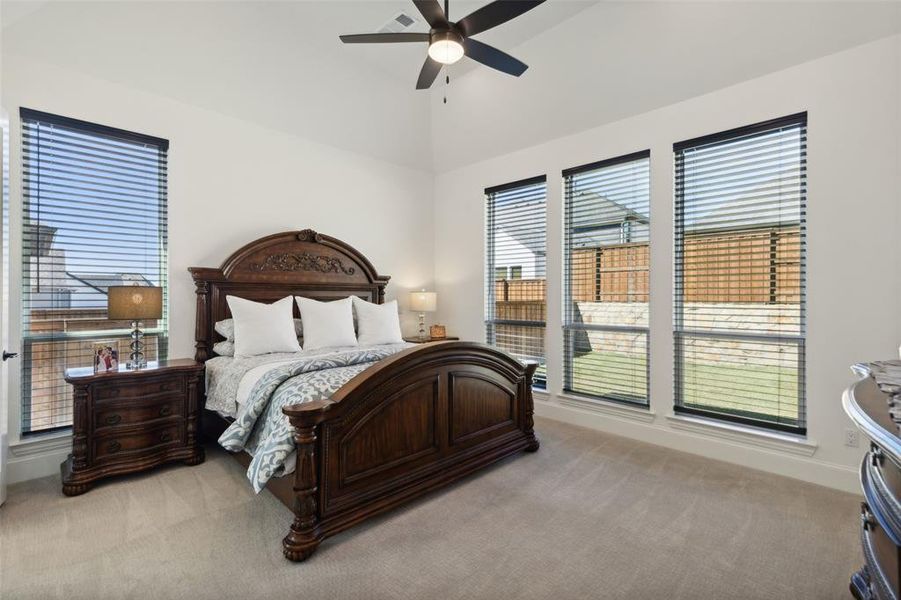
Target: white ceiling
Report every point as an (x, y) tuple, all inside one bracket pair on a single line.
[(618, 59), (280, 63)]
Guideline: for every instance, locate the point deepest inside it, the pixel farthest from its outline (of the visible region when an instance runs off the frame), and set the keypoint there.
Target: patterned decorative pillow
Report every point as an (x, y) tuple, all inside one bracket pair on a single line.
[(226, 328), (226, 348)]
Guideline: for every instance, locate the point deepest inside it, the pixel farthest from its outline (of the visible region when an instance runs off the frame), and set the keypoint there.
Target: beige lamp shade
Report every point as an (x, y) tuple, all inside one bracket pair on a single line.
[(134, 302), (424, 301)]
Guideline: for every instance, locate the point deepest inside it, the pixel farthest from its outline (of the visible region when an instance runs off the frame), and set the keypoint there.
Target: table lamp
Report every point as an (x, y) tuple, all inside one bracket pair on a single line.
[(423, 302), (135, 303)]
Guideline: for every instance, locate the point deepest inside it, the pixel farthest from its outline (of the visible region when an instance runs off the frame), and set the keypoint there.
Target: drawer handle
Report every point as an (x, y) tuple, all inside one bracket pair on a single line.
[(167, 386), (165, 411), (113, 393), (113, 446), (866, 518), (113, 419), (165, 436), (877, 455)]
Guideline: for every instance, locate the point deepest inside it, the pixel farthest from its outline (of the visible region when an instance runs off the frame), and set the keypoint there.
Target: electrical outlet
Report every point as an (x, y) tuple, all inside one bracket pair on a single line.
[(851, 439)]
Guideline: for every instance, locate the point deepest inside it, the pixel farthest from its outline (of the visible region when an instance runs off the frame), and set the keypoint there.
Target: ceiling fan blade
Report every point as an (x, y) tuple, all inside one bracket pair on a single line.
[(492, 15), (433, 13), (429, 72), (384, 38), (494, 58)]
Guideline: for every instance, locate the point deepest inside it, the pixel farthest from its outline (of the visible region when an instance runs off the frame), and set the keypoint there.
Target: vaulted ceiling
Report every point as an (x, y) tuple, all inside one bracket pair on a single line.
[(280, 64)]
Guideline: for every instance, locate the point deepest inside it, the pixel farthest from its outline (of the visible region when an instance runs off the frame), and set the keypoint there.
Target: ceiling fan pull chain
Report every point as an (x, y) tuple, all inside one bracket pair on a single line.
[(446, 84)]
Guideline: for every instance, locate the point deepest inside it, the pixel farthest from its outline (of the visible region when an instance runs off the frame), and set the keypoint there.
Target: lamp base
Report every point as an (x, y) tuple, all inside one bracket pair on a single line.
[(422, 334), (136, 359)]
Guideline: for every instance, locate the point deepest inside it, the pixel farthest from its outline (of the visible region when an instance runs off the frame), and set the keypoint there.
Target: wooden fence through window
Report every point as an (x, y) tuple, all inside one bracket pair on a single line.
[(760, 266)]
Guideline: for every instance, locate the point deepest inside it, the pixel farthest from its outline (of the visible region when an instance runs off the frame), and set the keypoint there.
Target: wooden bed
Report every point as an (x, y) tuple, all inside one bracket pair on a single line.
[(412, 423)]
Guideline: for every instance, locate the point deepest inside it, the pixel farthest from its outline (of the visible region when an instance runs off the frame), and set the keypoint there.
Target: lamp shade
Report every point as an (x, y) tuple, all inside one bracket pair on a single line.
[(424, 301), (134, 302)]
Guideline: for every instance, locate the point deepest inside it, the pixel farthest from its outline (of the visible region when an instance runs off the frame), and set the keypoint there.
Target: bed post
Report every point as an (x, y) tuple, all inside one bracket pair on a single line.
[(529, 428), (305, 535), (202, 324)]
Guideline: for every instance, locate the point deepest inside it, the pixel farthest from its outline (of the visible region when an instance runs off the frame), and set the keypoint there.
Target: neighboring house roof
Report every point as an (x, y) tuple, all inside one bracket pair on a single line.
[(599, 211), (102, 281)]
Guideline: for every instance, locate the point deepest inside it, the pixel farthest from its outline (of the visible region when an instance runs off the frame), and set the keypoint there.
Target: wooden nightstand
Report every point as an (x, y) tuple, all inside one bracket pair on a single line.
[(129, 421), (415, 339)]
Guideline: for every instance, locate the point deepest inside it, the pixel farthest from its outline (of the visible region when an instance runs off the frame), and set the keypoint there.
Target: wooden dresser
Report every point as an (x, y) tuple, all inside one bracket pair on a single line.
[(128, 421), (874, 404)]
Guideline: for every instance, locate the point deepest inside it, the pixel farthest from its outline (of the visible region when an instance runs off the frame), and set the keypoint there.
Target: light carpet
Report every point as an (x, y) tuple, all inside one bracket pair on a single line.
[(588, 516)]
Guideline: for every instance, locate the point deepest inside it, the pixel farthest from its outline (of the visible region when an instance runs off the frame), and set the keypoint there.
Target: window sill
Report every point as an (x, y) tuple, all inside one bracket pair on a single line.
[(51, 442), (540, 394), (770, 440), (613, 409)]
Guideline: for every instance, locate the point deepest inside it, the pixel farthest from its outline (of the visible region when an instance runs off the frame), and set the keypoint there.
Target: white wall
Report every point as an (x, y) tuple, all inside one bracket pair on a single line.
[(230, 182), (854, 124)]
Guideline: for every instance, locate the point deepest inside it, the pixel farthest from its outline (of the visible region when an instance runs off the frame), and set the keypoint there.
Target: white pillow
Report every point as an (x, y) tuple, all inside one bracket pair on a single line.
[(226, 328), (263, 328), (377, 323), (326, 324)]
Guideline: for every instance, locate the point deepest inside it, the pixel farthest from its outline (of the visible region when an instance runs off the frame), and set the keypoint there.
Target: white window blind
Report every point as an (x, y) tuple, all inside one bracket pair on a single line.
[(94, 215), (606, 253), (740, 274), (516, 270)]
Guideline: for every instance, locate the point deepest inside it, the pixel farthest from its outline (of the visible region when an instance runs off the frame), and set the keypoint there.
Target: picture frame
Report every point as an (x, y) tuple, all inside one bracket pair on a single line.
[(105, 355)]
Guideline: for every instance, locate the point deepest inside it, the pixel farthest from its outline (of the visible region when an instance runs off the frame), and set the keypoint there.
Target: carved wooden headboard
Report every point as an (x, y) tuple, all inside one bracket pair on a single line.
[(300, 263)]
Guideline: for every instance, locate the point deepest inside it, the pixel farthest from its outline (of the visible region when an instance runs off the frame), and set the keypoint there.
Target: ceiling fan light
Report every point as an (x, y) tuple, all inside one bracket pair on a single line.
[(446, 48)]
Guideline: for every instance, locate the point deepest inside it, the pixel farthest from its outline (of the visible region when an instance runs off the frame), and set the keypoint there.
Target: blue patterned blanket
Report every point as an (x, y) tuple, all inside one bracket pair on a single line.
[(265, 432)]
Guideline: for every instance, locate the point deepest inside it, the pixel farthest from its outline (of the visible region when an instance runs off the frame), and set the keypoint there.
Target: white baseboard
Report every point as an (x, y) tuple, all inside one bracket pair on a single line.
[(763, 455), (40, 458)]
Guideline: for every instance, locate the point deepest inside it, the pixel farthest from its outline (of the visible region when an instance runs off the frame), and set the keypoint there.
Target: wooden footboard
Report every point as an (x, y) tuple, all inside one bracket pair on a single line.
[(414, 422)]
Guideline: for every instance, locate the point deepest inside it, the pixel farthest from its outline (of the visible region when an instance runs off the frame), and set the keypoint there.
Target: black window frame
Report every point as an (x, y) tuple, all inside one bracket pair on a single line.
[(27, 340), (491, 321), (744, 418), (568, 230)]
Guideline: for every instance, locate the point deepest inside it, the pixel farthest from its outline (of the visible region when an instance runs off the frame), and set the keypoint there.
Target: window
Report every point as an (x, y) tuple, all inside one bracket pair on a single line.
[(94, 215), (516, 286), (606, 253), (740, 274)]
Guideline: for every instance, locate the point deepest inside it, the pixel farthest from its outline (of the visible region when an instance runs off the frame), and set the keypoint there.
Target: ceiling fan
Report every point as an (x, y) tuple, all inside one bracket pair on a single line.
[(449, 42)]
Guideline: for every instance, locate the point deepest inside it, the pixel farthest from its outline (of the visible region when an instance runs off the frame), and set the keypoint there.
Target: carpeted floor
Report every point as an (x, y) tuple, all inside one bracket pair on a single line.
[(589, 516)]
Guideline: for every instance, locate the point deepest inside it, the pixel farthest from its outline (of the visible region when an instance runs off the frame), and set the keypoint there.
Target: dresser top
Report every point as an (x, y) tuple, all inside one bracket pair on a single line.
[(874, 403), (87, 374)]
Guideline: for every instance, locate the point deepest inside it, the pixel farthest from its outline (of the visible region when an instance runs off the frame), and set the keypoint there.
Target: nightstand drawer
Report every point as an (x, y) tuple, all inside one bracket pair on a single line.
[(111, 415), (149, 388), (126, 445)]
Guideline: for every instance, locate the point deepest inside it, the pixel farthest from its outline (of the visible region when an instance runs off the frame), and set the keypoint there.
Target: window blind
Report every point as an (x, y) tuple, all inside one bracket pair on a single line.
[(94, 215), (740, 274), (516, 270), (606, 270)]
